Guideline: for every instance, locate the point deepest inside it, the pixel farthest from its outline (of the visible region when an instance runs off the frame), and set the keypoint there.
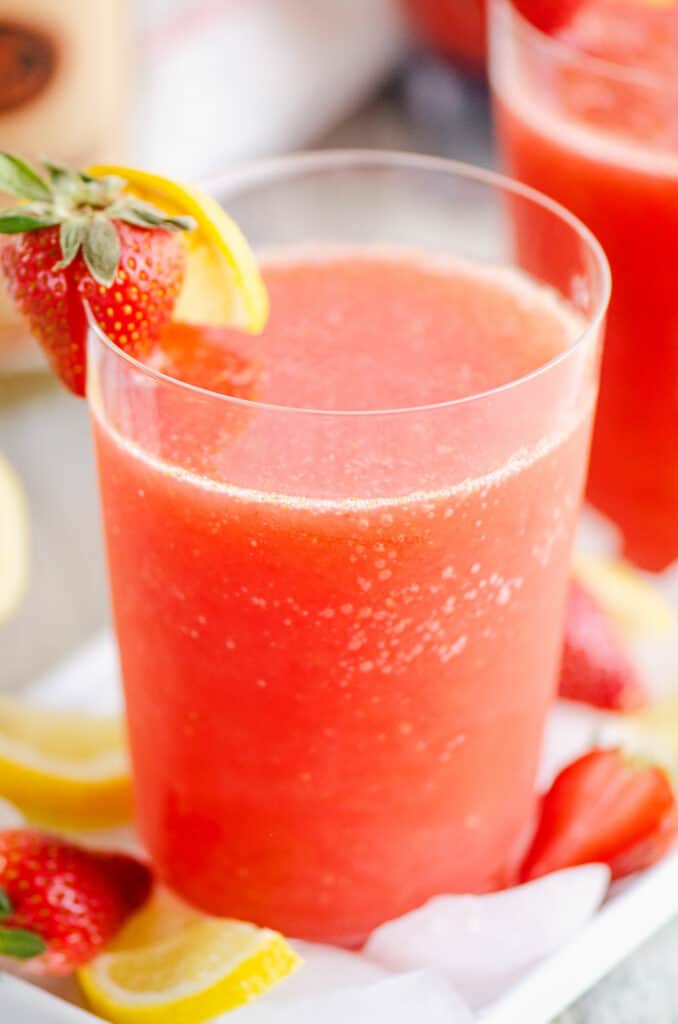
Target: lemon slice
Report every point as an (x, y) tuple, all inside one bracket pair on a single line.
[(654, 732), (64, 770), (13, 541), (223, 286), (171, 963), (661, 720), (635, 605)]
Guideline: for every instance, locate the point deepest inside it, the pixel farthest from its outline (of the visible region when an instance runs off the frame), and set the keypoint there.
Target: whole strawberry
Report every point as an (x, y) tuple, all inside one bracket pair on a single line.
[(78, 238), (61, 904), (596, 668)]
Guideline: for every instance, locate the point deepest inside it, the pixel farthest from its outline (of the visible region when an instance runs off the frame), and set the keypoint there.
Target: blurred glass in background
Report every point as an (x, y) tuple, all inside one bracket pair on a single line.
[(455, 28)]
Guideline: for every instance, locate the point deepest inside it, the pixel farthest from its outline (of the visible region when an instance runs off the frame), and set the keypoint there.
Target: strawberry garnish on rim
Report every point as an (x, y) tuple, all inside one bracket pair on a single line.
[(60, 904), (78, 238)]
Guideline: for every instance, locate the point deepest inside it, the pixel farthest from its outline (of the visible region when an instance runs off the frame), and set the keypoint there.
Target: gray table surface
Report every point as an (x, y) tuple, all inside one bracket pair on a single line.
[(45, 433)]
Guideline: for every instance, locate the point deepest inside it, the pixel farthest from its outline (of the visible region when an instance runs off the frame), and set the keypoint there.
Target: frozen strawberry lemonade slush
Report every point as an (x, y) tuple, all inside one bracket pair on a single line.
[(339, 594), (589, 117)]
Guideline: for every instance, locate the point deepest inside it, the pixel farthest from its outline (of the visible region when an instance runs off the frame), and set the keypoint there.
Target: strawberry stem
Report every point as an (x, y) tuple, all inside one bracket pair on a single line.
[(21, 944), (84, 206)]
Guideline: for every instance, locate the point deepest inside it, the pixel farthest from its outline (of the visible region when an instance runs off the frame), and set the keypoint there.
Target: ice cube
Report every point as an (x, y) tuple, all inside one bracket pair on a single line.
[(405, 999), (483, 944), (324, 968)]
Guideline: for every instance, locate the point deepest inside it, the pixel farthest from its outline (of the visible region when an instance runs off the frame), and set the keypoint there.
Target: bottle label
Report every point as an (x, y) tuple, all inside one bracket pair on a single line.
[(28, 60)]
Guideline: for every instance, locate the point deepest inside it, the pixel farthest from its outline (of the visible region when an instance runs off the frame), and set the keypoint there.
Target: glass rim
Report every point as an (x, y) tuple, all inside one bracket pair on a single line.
[(600, 66), (259, 171)]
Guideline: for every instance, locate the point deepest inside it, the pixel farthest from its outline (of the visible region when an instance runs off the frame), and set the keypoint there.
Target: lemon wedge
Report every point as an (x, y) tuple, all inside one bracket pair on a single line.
[(13, 541), (223, 285), (654, 733), (62, 769), (635, 605), (171, 963), (661, 720)]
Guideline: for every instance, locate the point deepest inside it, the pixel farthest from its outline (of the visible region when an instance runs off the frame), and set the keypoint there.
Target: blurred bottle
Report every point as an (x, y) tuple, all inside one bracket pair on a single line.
[(64, 78), (454, 28)]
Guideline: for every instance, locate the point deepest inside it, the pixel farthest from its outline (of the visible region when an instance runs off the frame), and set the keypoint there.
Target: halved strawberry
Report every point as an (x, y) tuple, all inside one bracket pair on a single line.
[(596, 668), (76, 237), (61, 904), (606, 808), (647, 849)]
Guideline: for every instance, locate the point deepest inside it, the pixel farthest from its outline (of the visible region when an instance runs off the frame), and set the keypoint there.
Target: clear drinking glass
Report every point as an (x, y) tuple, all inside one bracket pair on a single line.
[(339, 628), (602, 138)]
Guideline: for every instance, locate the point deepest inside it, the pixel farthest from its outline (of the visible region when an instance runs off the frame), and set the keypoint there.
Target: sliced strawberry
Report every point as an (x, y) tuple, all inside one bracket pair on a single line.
[(648, 850), (78, 238), (604, 808), (548, 15), (595, 667), (61, 904)]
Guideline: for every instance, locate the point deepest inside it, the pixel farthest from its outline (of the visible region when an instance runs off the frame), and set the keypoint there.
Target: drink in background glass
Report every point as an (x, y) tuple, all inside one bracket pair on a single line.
[(600, 134), (339, 596), (64, 75), (456, 28)]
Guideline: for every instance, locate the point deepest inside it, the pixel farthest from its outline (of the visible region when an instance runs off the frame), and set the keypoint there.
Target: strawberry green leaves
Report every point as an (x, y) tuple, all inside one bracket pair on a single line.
[(20, 944), (17, 942), (144, 215), (68, 196), (19, 179), (71, 234), (86, 208), (18, 219), (101, 249), (5, 904)]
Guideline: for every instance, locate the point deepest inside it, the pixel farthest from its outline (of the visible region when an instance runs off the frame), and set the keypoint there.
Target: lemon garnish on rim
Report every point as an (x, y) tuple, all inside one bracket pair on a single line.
[(171, 963), (223, 285), (13, 541), (64, 769)]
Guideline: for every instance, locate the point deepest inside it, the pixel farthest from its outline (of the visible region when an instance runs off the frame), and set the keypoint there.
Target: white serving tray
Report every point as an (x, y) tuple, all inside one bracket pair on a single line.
[(632, 912)]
